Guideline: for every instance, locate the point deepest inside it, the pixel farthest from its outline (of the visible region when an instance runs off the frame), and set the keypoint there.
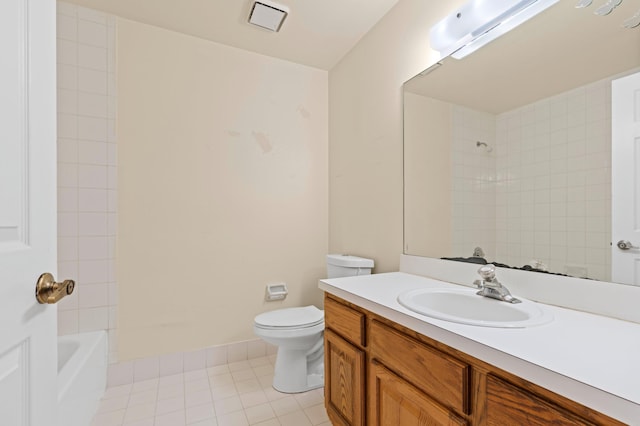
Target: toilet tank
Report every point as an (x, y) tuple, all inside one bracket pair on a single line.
[(343, 265)]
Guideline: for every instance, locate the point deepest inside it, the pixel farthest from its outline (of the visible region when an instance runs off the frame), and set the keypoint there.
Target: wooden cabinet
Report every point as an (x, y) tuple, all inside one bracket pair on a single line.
[(445, 378), (344, 361), (509, 404), (394, 401), (380, 373), (344, 381)]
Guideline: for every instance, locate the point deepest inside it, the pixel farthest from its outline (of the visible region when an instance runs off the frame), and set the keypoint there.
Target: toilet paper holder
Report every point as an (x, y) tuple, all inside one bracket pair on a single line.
[(276, 292)]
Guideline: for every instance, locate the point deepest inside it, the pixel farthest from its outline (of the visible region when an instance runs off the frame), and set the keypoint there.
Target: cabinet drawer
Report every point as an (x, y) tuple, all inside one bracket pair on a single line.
[(345, 321), (443, 378), (508, 404)]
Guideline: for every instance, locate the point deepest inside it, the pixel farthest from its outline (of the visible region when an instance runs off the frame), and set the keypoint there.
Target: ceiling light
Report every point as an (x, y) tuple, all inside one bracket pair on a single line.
[(479, 22), (267, 14)]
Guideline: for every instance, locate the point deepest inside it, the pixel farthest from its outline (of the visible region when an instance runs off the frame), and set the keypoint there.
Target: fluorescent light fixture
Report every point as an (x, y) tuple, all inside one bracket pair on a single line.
[(479, 22), (267, 14)]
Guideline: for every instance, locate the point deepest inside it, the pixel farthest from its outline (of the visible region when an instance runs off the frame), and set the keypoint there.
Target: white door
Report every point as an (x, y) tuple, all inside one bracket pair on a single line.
[(28, 348), (625, 157)]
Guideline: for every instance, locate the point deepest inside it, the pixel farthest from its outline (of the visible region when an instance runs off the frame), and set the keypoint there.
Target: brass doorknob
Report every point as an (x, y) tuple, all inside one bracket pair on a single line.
[(48, 291)]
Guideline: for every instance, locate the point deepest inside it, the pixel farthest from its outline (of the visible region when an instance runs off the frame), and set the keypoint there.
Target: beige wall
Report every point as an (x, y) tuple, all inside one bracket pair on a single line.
[(365, 131), (223, 188), (428, 125)]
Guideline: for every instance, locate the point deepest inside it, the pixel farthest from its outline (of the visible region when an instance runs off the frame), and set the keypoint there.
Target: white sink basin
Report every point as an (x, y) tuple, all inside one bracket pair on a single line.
[(466, 307)]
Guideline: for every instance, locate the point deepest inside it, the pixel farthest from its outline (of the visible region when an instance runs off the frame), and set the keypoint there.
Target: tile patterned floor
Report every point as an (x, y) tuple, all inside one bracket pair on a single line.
[(236, 394)]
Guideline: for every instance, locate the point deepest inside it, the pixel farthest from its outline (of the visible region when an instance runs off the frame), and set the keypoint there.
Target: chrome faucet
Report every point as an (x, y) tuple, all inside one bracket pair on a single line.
[(490, 286)]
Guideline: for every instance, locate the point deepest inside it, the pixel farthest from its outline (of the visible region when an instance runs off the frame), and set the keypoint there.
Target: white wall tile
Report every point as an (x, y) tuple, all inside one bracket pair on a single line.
[(67, 101), (67, 322), (145, 369), (112, 223), (112, 177), (112, 200), (68, 200), (92, 104), (92, 176), (67, 77), (67, 52), (92, 128), (572, 132), (93, 296), (195, 360), (237, 352), (92, 33), (92, 81), (216, 355), (67, 126), (67, 224), (93, 272), (67, 175), (92, 152), (113, 317), (86, 42), (256, 349), (113, 294), (91, 319), (67, 27), (67, 248), (67, 150), (92, 57), (92, 200), (171, 364), (93, 248), (92, 224)]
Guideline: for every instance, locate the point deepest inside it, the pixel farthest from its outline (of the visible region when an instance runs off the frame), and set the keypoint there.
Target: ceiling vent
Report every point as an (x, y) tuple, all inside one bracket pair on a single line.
[(267, 14)]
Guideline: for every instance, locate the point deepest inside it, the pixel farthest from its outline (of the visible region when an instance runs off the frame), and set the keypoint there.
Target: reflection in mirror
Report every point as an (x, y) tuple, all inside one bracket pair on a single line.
[(509, 149)]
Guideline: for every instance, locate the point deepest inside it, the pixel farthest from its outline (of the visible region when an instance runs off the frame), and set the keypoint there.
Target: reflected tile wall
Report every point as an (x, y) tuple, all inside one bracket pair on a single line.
[(554, 182), (474, 192), (544, 192), (86, 170)]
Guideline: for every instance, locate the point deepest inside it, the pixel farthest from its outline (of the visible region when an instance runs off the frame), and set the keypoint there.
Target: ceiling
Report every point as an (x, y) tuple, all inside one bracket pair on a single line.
[(556, 51), (317, 33)]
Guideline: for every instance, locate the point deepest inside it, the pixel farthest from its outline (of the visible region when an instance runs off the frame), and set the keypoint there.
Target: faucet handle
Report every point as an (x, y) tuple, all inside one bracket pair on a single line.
[(487, 272)]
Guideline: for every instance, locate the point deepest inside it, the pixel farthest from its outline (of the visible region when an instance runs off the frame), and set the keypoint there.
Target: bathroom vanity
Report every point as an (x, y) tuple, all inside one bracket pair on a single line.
[(385, 364)]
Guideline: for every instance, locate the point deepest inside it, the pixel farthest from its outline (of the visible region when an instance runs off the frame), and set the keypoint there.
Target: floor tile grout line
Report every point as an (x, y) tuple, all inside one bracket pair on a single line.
[(266, 395)]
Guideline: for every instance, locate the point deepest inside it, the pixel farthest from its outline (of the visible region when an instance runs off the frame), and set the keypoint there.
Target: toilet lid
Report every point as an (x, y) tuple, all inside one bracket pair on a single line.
[(291, 317)]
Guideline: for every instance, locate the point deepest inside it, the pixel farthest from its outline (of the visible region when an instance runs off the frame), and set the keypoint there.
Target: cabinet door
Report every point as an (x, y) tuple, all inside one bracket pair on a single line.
[(508, 404), (437, 374), (344, 381), (393, 401)]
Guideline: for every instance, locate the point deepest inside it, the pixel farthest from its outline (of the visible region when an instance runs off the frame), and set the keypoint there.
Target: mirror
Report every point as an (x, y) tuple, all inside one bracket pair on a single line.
[(509, 149)]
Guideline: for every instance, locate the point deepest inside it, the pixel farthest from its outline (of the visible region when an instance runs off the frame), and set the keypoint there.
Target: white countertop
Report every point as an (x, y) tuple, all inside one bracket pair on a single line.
[(591, 359)]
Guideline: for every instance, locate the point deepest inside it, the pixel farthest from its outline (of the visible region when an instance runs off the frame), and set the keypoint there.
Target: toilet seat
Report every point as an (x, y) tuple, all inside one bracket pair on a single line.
[(290, 318)]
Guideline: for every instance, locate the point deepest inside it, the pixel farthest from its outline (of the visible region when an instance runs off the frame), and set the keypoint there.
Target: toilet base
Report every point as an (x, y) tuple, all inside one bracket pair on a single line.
[(298, 371)]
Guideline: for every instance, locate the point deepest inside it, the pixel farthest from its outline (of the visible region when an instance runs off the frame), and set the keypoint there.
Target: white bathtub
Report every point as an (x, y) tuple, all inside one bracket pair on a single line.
[(82, 376)]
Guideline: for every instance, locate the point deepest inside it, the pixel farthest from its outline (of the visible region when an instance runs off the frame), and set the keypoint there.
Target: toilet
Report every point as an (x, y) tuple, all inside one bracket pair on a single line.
[(298, 333)]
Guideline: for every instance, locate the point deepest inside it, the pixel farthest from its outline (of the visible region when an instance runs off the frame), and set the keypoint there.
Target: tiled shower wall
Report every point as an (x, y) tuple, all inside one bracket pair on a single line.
[(544, 189), (87, 170), (473, 180), (554, 182)]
